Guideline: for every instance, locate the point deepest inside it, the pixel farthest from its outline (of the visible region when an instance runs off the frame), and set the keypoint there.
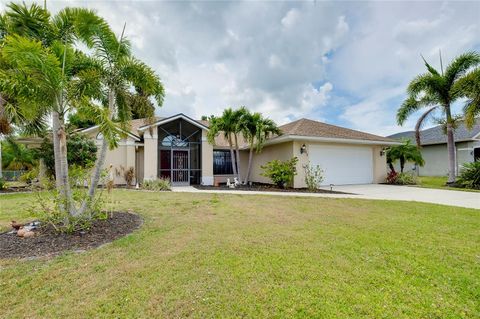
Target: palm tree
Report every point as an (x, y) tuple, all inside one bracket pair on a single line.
[(223, 125), (256, 130), (437, 91), (118, 72), (470, 86), (405, 152)]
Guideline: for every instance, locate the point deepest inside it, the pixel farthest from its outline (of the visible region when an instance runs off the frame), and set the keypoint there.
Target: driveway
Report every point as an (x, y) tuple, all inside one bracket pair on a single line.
[(375, 191)]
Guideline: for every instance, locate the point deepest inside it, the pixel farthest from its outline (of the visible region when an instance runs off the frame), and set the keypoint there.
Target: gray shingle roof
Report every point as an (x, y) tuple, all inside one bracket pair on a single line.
[(436, 135)]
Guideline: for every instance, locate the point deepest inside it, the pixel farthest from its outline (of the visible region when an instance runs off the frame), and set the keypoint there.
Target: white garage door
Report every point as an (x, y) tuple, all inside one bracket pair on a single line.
[(343, 165)]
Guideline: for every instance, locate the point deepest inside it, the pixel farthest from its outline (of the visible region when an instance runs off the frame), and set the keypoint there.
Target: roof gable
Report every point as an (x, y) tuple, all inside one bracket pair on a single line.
[(173, 118)]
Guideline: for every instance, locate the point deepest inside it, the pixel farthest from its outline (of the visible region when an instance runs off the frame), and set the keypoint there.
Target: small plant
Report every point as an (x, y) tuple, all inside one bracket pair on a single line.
[(470, 176), (401, 178), (129, 175), (313, 176), (3, 184), (29, 176), (160, 184), (281, 173)]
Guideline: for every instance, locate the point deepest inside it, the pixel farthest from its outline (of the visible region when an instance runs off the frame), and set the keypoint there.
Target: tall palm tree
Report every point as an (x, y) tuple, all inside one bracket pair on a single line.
[(224, 125), (256, 130), (117, 74), (406, 152), (436, 90)]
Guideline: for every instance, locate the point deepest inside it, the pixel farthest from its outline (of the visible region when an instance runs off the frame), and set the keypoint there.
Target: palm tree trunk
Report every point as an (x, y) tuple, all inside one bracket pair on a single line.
[(100, 160), (450, 147), (451, 154), (61, 164), (402, 164), (238, 158), (249, 168), (392, 168), (232, 155)]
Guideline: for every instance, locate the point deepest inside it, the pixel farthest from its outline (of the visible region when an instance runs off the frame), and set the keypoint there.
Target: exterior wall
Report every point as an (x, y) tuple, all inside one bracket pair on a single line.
[(150, 158), (436, 158), (139, 162), (283, 151), (207, 160), (120, 158)]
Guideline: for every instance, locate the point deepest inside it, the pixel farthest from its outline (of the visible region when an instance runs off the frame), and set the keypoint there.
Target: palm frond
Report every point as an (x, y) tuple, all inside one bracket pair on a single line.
[(420, 122), (460, 65)]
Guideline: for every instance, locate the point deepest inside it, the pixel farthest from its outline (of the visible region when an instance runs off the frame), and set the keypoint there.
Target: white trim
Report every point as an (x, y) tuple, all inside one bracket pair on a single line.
[(476, 137), (173, 118), (288, 138)]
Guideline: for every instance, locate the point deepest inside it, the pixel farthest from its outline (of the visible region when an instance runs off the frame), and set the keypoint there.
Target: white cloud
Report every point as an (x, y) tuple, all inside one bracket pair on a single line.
[(291, 18)]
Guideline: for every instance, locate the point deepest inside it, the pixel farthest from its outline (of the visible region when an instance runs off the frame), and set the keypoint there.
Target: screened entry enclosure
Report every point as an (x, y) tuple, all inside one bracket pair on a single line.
[(179, 147)]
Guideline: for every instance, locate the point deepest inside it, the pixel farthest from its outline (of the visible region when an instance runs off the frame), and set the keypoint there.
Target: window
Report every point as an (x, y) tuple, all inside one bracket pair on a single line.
[(222, 163)]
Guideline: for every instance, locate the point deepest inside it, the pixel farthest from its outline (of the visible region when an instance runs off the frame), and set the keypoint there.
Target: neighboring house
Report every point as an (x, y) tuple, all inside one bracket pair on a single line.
[(176, 148), (434, 148)]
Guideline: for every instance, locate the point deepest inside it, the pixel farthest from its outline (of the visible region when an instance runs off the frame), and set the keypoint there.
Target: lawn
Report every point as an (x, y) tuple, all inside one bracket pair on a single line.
[(439, 182), (207, 255)]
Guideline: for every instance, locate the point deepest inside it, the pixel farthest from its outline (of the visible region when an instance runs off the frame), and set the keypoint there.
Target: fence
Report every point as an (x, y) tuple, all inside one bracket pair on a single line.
[(12, 175)]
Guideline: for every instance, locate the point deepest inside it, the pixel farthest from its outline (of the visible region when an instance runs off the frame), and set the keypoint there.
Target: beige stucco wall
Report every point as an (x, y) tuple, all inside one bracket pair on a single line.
[(283, 152), (150, 156), (207, 160), (121, 158)]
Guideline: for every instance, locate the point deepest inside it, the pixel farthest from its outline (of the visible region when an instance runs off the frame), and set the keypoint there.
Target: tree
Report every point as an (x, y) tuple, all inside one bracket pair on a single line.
[(406, 152), (16, 156), (470, 86), (437, 91), (226, 126), (117, 74), (256, 130), (81, 150)]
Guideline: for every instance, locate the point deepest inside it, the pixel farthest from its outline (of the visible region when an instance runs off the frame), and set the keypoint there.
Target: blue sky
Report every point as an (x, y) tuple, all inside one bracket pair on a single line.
[(344, 63)]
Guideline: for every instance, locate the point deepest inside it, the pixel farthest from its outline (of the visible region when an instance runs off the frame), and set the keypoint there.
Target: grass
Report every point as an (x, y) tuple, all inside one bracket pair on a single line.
[(221, 256), (439, 182)]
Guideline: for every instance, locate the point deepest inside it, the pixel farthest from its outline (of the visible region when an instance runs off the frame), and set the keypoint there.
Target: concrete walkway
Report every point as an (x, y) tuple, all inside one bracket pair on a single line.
[(373, 191)]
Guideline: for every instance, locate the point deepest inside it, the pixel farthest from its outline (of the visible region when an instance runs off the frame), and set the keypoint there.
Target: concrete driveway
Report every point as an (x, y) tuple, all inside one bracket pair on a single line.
[(409, 193), (374, 191)]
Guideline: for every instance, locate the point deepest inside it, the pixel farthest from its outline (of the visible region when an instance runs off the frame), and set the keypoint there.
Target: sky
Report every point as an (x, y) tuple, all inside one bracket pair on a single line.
[(346, 63)]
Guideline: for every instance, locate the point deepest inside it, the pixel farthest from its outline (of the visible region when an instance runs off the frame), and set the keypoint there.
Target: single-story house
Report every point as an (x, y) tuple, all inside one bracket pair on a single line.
[(434, 148), (176, 148)]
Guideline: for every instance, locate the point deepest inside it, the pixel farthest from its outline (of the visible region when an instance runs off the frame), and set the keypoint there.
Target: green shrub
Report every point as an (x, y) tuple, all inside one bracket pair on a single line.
[(281, 173), (313, 176), (160, 184), (29, 176), (3, 184), (401, 178), (470, 176)]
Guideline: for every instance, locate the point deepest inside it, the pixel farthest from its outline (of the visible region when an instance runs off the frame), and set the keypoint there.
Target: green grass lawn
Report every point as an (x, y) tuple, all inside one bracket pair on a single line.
[(206, 255), (439, 183)]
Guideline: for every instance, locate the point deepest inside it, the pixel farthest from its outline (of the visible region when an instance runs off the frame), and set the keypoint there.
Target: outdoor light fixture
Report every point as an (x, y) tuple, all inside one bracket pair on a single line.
[(303, 149), (382, 152)]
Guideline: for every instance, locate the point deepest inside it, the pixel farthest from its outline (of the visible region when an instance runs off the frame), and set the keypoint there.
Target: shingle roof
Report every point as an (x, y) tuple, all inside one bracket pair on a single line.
[(306, 127), (436, 134)]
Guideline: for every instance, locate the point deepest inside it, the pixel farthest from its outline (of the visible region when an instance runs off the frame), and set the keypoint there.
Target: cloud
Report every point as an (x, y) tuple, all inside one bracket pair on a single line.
[(347, 63)]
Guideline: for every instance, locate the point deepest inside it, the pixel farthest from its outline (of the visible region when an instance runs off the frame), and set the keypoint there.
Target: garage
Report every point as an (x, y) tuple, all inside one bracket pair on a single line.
[(343, 165)]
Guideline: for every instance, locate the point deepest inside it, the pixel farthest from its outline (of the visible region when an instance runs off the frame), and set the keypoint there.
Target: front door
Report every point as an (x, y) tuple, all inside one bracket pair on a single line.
[(180, 168)]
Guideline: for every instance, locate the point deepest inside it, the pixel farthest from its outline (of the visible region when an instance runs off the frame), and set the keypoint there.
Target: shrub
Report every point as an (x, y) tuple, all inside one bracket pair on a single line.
[(281, 173), (313, 176), (3, 183), (81, 151), (29, 176), (401, 178), (160, 184), (470, 176)]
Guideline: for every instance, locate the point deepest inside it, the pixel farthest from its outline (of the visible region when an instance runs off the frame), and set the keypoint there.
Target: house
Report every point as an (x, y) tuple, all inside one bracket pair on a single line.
[(434, 148), (176, 148)]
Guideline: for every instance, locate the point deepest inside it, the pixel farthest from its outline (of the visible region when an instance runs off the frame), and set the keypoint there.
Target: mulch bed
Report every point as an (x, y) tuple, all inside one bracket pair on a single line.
[(267, 188), (47, 242)]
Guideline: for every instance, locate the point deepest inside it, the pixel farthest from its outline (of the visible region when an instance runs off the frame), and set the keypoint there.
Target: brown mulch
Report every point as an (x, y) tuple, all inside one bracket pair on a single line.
[(268, 188), (47, 242)]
